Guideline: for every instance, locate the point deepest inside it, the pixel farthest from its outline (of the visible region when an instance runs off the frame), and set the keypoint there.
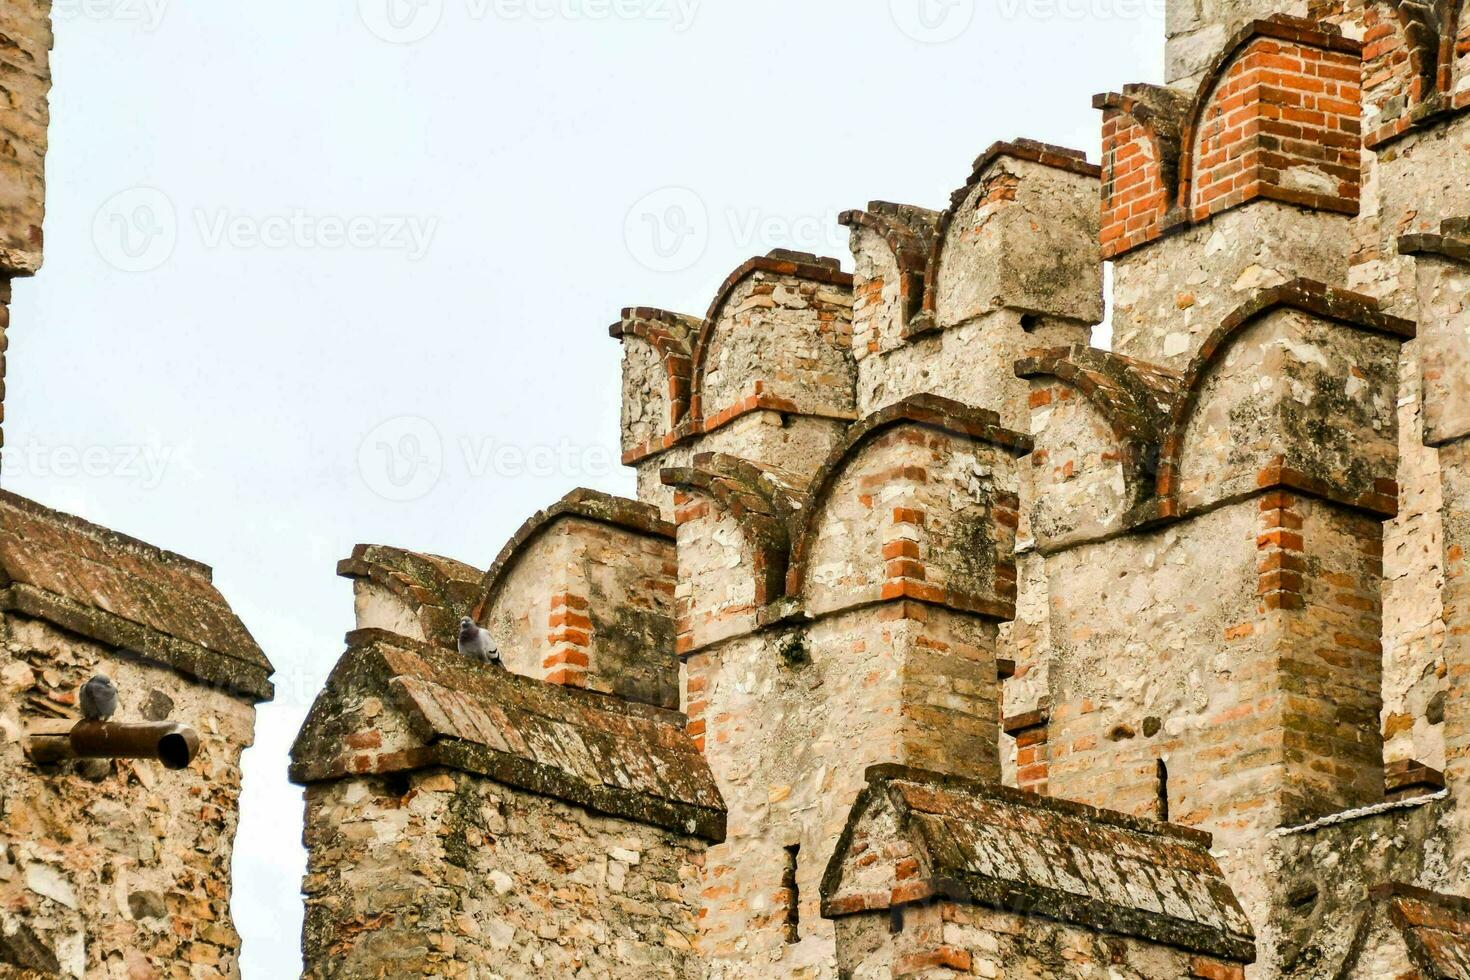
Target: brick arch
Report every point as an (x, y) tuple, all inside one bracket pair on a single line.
[(669, 335), (1135, 399), (1401, 64), (1207, 119), (763, 508), (1141, 157), (910, 249), (1020, 149), (1455, 53), (779, 262), (1329, 303), (591, 505), (931, 411)]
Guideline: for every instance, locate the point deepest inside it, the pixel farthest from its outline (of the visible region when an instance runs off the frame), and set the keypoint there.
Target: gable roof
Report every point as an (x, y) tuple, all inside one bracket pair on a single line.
[(125, 593), (593, 750), (989, 845)]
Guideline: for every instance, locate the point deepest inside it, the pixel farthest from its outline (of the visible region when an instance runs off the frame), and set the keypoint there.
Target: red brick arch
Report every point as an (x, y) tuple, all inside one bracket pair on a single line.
[(932, 411), (1348, 308)]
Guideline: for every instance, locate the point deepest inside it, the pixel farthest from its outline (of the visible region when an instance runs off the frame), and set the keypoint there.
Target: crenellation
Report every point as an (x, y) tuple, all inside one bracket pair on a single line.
[(1218, 589), (25, 86)]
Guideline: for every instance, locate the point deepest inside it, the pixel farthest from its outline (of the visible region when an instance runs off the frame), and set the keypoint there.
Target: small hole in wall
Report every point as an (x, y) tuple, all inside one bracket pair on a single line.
[(1161, 772), (793, 895), (895, 919), (1030, 321), (397, 784)]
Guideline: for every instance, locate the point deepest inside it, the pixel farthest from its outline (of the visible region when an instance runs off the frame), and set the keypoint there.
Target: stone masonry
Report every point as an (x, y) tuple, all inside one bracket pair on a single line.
[(941, 642)]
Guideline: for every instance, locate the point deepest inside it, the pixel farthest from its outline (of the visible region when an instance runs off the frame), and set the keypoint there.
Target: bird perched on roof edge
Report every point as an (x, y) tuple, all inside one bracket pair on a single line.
[(99, 698), (477, 643)]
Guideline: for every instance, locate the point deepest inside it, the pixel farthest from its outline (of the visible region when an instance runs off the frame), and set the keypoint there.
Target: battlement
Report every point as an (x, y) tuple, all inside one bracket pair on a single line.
[(1212, 578)]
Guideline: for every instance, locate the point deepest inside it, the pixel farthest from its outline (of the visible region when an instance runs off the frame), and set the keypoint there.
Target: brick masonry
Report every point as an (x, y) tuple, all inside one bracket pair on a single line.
[(911, 517)]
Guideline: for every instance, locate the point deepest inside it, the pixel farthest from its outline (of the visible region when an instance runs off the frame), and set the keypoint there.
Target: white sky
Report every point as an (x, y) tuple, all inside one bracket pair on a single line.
[(271, 231)]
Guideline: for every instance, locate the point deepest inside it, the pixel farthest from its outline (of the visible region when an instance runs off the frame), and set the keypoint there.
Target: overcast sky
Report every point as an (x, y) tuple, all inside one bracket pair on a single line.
[(341, 271)]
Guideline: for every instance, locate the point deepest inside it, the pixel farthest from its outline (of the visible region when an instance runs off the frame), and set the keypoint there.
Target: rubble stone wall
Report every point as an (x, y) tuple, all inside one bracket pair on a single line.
[(115, 868), (495, 882)]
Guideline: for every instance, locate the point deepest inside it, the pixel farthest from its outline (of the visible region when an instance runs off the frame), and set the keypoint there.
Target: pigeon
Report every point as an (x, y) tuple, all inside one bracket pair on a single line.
[(476, 643), (99, 698)]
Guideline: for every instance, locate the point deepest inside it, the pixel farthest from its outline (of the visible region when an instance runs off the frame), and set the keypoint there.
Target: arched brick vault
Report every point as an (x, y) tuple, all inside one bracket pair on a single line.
[(1020, 149), (1279, 27), (780, 262), (591, 505), (763, 508), (1136, 399), (1339, 305), (1157, 114), (925, 410), (1403, 57), (669, 334), (909, 233)]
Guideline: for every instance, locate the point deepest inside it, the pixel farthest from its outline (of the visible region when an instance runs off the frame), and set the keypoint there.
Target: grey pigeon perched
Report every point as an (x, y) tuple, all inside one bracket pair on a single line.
[(476, 643), (99, 698)]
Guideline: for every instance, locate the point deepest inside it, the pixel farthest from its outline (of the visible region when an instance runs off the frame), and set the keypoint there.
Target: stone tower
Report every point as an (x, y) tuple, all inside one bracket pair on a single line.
[(1000, 653)]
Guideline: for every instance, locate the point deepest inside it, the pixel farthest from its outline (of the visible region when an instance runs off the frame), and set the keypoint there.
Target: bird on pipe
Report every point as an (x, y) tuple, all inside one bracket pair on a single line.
[(99, 698), (477, 643)]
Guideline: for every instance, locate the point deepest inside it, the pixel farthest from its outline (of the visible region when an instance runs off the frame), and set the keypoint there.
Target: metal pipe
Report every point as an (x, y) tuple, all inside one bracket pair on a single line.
[(170, 743)]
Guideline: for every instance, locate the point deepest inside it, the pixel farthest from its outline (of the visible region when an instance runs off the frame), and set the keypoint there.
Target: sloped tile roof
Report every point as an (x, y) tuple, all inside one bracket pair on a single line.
[(989, 845), (593, 750), (125, 593)]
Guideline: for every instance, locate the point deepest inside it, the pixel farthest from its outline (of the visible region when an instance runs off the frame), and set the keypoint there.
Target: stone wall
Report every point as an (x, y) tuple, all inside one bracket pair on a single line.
[(441, 873), (115, 867), (25, 84)]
